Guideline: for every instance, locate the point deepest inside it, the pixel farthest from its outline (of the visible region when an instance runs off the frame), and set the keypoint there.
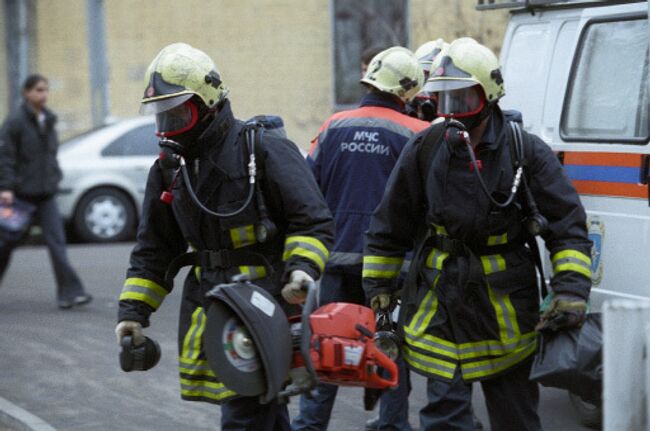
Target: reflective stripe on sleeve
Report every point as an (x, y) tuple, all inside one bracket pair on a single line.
[(141, 289), (306, 247), (572, 260), (381, 266)]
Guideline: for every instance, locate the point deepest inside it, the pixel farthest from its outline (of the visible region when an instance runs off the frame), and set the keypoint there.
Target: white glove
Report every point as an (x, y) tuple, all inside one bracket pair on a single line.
[(129, 327), (295, 291)]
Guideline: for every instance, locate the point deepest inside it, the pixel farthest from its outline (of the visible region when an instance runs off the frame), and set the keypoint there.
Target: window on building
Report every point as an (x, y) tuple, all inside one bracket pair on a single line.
[(608, 96), (140, 141), (357, 26)]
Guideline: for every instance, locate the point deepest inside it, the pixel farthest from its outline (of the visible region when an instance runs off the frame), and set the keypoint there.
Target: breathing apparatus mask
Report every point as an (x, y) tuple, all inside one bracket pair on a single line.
[(457, 134), (426, 106), (179, 127), (185, 123), (466, 105)]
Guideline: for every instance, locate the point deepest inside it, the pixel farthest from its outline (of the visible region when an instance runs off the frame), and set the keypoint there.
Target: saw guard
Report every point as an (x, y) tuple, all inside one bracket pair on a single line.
[(266, 323)]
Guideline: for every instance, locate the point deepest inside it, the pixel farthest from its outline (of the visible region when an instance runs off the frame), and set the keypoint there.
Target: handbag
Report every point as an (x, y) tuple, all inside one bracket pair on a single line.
[(15, 220), (571, 359)]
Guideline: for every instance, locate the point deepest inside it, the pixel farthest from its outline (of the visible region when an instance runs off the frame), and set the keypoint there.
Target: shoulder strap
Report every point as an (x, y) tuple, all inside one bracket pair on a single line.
[(429, 145), (521, 152)]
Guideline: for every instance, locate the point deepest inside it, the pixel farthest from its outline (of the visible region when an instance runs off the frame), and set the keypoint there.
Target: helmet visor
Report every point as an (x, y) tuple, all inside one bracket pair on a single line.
[(463, 102), (177, 120), (158, 106), (436, 84)]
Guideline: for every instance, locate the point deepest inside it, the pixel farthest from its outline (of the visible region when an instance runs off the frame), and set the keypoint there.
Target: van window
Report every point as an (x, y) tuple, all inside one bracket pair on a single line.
[(607, 98)]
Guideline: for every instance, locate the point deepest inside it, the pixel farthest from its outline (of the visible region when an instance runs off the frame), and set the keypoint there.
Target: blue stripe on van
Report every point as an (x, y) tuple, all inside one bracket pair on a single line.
[(612, 174)]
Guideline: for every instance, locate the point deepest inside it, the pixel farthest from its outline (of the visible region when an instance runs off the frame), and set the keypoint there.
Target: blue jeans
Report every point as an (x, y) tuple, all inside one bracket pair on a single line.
[(511, 401), (315, 412)]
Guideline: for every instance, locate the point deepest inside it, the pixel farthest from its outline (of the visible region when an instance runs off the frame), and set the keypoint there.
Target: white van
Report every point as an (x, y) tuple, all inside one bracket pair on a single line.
[(579, 72)]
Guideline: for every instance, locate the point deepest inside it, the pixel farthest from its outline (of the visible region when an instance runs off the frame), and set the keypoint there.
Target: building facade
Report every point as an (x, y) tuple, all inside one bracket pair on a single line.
[(277, 56)]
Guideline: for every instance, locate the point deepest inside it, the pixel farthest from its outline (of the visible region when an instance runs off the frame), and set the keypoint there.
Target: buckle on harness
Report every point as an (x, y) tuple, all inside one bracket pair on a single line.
[(448, 245), (216, 259)]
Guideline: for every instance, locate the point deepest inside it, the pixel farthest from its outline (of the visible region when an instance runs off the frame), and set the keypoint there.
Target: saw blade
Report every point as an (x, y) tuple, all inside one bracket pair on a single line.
[(231, 352)]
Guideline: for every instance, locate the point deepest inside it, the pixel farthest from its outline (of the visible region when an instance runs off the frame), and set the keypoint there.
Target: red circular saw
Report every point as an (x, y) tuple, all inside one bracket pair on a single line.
[(254, 349)]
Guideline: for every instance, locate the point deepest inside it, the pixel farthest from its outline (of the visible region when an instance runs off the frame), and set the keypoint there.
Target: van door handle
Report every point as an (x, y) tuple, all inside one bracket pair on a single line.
[(644, 173)]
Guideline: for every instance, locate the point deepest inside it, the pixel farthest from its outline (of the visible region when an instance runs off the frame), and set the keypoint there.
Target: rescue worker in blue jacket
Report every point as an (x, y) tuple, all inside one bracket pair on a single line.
[(283, 241), (351, 158), (470, 305)]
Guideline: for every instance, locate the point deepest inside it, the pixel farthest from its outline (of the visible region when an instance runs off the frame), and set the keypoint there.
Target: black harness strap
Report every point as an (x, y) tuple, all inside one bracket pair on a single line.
[(216, 259)]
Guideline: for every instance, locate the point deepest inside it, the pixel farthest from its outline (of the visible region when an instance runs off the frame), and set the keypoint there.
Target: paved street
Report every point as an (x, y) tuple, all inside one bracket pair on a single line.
[(63, 365)]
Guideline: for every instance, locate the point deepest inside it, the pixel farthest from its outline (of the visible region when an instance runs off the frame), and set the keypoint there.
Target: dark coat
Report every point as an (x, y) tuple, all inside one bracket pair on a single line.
[(305, 232), (28, 164), (477, 306)]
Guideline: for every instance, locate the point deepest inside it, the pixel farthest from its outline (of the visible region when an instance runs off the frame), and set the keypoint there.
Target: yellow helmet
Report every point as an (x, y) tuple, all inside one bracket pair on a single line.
[(178, 73), (395, 71), (466, 63), (428, 51)]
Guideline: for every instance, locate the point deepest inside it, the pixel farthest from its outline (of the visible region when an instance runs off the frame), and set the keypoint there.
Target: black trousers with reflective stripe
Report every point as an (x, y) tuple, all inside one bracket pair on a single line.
[(511, 400)]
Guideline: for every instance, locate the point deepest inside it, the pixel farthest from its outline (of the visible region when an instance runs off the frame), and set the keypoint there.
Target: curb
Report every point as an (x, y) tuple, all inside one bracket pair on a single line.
[(20, 419)]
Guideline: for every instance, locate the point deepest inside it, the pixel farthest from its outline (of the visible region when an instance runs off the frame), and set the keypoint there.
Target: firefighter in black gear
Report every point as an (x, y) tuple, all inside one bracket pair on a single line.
[(471, 301), (278, 236), (423, 105)]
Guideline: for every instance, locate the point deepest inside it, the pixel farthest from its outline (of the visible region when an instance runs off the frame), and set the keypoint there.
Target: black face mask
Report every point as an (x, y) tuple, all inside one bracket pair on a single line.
[(186, 144)]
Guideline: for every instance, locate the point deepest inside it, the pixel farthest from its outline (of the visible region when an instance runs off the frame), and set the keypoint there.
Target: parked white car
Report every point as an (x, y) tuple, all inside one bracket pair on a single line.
[(104, 177)]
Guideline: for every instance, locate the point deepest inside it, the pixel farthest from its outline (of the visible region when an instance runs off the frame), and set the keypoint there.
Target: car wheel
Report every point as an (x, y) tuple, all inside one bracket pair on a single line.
[(590, 415), (104, 215)]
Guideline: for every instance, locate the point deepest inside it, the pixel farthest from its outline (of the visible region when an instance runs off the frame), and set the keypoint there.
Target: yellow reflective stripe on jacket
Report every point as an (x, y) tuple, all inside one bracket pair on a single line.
[(197, 378), (572, 260), (195, 367), (192, 341), (429, 365), (436, 258), (505, 314), (201, 388), (253, 272), (243, 236), (141, 289), (497, 239), (439, 229), (464, 351), (381, 266), (488, 367), (493, 263), (307, 247)]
